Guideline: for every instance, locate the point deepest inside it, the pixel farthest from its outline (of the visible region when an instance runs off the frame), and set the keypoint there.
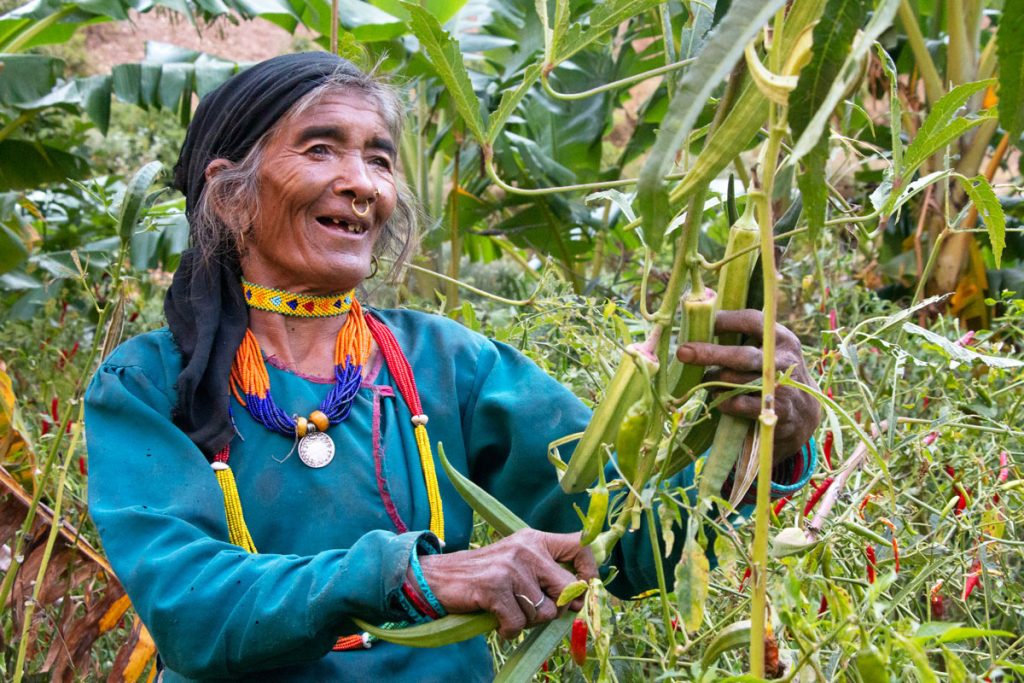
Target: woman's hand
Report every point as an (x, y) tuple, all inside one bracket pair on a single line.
[(518, 579), (798, 411)]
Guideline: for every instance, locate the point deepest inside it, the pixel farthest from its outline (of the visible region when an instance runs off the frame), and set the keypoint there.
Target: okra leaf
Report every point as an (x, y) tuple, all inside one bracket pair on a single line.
[(598, 23), (1011, 69), (445, 56), (942, 126), (990, 211), (692, 585), (510, 99), (880, 21), (721, 51), (531, 654)]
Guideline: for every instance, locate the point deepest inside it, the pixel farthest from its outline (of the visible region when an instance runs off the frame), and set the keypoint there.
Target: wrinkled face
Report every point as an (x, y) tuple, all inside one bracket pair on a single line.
[(321, 170)]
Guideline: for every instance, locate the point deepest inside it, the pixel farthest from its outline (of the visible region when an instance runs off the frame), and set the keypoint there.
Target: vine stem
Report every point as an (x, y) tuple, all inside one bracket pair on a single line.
[(768, 418)]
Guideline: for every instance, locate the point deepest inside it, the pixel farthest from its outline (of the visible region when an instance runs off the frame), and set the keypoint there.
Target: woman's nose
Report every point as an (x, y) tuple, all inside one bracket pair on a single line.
[(354, 179)]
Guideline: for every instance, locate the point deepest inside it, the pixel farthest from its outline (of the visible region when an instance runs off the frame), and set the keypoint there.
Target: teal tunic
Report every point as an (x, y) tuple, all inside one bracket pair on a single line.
[(333, 542)]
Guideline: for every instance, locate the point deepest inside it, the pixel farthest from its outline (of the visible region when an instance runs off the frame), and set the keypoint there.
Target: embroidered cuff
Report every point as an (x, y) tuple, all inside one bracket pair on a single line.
[(415, 597)]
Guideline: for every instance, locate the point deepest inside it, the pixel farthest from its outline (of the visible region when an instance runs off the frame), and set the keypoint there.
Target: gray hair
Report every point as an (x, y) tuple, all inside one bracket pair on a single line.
[(235, 190)]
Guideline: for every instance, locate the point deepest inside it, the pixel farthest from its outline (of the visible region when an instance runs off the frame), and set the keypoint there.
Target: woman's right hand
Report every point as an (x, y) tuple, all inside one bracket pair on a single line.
[(518, 579)]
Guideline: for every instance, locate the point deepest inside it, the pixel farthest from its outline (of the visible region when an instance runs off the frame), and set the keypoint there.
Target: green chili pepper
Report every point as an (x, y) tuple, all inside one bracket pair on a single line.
[(597, 511), (631, 436)]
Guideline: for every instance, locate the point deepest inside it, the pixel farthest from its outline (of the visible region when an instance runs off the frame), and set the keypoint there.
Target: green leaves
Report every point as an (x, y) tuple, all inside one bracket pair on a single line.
[(832, 36), (990, 211), (724, 46), (1010, 49), (692, 584), (510, 99), (531, 654), (12, 250), (446, 58), (25, 164), (602, 19), (942, 126)]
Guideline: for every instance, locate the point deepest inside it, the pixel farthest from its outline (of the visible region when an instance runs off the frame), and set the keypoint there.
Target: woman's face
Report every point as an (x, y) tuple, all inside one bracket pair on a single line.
[(321, 169)]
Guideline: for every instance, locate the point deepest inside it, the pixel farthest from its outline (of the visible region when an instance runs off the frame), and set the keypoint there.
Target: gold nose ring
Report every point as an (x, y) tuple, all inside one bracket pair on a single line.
[(365, 210)]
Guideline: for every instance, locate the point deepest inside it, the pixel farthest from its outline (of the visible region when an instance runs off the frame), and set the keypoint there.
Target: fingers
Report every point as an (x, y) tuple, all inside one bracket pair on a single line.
[(743, 358)]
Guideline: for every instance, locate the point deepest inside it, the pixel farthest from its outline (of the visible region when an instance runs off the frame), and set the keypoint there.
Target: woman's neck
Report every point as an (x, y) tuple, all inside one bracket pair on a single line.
[(304, 345)]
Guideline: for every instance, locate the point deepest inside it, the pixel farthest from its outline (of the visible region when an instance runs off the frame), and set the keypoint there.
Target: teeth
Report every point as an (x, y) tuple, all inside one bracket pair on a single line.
[(346, 226)]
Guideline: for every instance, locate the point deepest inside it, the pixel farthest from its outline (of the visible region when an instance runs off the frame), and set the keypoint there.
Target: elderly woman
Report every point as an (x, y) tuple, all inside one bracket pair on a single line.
[(261, 470)]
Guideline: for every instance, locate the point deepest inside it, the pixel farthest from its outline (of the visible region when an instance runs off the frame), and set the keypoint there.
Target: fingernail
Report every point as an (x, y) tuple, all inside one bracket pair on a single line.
[(684, 354)]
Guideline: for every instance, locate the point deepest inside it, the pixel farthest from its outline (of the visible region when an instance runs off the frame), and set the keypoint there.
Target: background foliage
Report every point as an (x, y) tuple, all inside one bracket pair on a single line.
[(896, 180)]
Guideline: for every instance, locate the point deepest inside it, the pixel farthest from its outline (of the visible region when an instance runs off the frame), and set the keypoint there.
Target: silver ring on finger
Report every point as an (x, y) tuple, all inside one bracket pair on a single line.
[(530, 607)]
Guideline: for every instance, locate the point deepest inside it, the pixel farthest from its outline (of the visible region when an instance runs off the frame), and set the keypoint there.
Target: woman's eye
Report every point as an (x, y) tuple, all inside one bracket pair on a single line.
[(319, 150), (381, 162)]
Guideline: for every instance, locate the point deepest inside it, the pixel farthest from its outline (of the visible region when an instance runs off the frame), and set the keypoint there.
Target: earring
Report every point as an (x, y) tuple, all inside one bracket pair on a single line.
[(375, 264), (365, 210)]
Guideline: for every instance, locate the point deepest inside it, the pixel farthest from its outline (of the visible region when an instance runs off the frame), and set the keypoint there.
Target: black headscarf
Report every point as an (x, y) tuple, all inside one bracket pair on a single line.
[(204, 306)]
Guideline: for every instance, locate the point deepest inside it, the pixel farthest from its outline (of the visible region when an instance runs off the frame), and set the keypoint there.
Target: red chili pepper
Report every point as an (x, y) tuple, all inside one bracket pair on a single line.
[(863, 504), (544, 667), (53, 409), (833, 319), (869, 551), (45, 427), (930, 438), (816, 496), (81, 466), (895, 545), (972, 579), (779, 504), (828, 392), (578, 642), (935, 598), (826, 448), (675, 623), (743, 581), (133, 317), (823, 605)]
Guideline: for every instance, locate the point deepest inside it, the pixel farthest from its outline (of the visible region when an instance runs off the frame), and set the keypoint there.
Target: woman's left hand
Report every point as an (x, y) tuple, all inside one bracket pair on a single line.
[(798, 412)]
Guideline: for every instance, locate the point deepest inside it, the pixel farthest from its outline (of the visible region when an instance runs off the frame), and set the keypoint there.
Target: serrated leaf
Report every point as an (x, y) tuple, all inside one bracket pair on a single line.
[(880, 21), (942, 125), (1011, 69), (990, 211), (692, 585), (445, 56), (598, 23), (832, 38), (723, 47), (510, 99)]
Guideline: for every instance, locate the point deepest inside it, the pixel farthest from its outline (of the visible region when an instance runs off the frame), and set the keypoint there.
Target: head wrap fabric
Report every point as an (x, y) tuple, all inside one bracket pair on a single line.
[(205, 310)]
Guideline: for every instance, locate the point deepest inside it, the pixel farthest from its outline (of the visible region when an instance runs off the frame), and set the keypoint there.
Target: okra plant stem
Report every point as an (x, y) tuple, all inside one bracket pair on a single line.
[(759, 554)]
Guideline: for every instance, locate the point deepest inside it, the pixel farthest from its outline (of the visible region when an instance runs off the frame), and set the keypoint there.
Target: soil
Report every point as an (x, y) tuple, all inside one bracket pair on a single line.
[(124, 42)]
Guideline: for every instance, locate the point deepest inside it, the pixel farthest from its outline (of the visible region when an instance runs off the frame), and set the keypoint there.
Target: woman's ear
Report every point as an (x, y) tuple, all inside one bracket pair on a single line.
[(215, 167)]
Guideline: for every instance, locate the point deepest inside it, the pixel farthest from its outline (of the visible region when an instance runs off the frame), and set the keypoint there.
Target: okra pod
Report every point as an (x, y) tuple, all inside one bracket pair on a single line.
[(453, 628), (698, 326), (623, 390)]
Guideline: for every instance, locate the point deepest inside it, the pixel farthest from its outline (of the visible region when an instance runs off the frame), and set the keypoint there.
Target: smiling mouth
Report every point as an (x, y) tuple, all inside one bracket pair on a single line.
[(351, 228)]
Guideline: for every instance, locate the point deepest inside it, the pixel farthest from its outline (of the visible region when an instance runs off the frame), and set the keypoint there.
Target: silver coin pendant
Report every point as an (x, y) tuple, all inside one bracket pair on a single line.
[(316, 450)]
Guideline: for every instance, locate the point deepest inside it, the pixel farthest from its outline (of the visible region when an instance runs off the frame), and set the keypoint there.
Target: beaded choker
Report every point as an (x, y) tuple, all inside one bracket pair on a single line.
[(250, 384), (298, 305)]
